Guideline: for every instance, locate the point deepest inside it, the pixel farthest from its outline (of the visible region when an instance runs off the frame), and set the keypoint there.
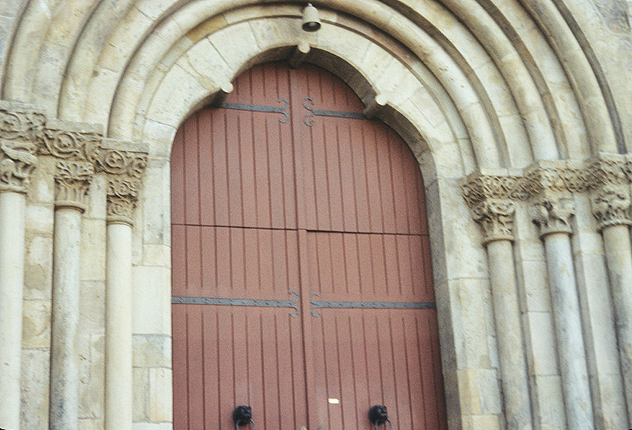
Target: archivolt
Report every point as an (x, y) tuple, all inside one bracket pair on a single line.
[(480, 81)]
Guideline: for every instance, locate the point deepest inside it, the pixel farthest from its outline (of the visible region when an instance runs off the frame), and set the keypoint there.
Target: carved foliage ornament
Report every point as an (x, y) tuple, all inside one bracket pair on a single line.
[(611, 206), (117, 162), (72, 181), (122, 196), (71, 145)]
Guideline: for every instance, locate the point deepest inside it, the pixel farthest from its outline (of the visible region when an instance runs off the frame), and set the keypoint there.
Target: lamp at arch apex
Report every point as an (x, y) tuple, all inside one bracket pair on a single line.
[(311, 21)]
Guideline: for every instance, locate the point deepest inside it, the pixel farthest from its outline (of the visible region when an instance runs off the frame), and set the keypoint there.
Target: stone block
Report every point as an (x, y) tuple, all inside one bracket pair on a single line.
[(36, 324), (152, 426), (275, 32), (482, 422), (206, 62), (35, 389), (236, 44), (93, 249), (92, 306), (156, 255), (534, 290), (141, 394), (159, 136), (39, 218), (96, 199), (152, 350), (152, 300), (541, 344), (38, 269), (91, 354), (548, 402), (479, 392), (90, 424), (160, 395), (156, 204)]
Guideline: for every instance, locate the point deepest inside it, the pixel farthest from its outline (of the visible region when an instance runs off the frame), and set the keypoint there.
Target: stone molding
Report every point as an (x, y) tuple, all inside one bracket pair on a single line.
[(549, 185)]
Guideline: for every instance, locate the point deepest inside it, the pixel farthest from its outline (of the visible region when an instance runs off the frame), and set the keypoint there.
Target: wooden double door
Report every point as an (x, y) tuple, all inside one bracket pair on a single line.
[(302, 284)]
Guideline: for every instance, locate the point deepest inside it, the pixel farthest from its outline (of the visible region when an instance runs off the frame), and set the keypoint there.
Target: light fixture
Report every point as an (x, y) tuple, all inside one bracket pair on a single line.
[(311, 21)]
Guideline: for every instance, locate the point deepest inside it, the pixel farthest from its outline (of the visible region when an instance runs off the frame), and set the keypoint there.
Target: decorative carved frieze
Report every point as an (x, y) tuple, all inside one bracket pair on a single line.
[(479, 188), (72, 145), (553, 215), (20, 133), (559, 179), (611, 206), (496, 218), (72, 181), (118, 162)]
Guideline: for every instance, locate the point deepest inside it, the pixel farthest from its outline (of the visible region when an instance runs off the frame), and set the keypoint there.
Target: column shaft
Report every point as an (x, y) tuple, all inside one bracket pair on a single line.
[(64, 386), (572, 352), (118, 323), (619, 261), (12, 210), (509, 332)]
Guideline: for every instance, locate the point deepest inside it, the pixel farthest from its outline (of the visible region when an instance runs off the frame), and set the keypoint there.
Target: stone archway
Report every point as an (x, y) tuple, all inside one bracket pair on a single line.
[(487, 87)]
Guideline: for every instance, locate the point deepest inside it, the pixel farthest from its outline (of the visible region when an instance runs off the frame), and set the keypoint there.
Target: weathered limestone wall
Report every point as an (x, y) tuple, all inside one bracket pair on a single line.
[(519, 112)]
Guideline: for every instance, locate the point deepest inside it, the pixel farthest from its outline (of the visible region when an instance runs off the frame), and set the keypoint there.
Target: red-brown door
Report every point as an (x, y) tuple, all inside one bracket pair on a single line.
[(302, 284)]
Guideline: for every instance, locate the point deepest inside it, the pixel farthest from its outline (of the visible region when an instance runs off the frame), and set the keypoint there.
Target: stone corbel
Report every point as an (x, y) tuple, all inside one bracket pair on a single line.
[(21, 131)]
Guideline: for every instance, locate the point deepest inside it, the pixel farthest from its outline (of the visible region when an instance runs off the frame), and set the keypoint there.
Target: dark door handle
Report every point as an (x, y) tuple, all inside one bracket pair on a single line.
[(242, 415), (378, 415)]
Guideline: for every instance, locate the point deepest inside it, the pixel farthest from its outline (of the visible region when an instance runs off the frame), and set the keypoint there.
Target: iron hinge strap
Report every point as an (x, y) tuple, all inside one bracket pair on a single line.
[(367, 305), (293, 303), (259, 108)]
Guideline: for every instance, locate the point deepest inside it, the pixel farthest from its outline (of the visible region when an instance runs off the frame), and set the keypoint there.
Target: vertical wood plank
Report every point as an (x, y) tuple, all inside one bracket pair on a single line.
[(191, 176), (207, 204), (177, 178)]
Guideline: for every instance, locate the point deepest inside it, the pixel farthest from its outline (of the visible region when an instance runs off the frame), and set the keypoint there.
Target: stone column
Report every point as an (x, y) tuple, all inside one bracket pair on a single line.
[(552, 215), (124, 169), (611, 207), (496, 220), (72, 181), (122, 196), (18, 135)]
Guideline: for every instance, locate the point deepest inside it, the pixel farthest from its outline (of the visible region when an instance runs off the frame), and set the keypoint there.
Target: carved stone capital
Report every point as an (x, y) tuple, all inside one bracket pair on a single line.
[(611, 206), (72, 181), (20, 133), (122, 195), (553, 215), (496, 218)]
